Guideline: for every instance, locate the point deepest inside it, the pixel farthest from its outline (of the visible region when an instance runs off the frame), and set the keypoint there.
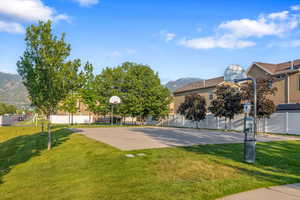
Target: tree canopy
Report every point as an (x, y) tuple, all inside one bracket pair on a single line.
[(193, 107), (137, 85), (7, 109), (265, 89), (227, 102), (46, 73)]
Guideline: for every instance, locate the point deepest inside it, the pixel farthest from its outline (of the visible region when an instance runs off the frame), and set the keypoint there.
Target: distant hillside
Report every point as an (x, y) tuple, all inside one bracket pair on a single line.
[(12, 90), (179, 83)]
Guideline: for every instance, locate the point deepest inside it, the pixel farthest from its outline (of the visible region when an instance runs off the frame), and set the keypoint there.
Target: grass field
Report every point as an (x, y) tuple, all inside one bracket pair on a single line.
[(80, 168)]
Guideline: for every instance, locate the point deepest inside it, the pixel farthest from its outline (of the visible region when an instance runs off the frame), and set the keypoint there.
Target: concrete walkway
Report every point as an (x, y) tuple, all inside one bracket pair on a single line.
[(132, 138), (284, 192)]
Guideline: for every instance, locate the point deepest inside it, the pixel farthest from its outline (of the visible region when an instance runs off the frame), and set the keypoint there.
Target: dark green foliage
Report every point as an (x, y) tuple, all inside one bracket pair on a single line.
[(87, 91), (227, 101), (45, 71), (265, 106), (193, 107), (138, 87), (7, 109)]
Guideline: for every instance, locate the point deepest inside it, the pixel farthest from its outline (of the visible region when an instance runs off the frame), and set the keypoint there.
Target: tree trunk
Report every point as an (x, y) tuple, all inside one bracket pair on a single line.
[(69, 119), (89, 118), (225, 123), (43, 127), (72, 118), (49, 134)]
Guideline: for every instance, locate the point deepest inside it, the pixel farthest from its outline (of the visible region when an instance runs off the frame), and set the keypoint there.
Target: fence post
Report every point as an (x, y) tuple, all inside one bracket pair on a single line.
[(287, 122), (264, 128)]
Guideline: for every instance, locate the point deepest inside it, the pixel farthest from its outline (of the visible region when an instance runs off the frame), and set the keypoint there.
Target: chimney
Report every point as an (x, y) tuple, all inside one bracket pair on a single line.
[(292, 65)]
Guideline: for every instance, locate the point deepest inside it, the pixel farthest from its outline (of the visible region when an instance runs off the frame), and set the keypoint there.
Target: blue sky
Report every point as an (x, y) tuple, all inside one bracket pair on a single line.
[(177, 38)]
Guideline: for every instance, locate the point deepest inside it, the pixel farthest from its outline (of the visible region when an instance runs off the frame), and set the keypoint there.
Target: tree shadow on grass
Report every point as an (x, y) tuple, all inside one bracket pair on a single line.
[(22, 148), (276, 162)]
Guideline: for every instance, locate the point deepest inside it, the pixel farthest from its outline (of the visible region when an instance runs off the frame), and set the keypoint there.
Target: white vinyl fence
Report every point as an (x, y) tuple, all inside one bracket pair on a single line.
[(5, 120), (280, 122), (65, 119)]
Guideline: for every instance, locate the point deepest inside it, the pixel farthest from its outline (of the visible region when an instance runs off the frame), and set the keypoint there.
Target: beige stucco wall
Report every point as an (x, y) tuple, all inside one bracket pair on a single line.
[(279, 96), (257, 72), (205, 92), (294, 88)]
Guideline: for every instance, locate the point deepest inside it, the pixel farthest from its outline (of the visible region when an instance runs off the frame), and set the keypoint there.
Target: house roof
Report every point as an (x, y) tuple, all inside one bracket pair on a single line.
[(201, 84), (280, 67)]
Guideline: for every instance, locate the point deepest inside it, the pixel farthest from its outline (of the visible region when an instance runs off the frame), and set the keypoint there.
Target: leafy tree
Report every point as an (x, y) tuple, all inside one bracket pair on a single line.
[(139, 88), (87, 91), (265, 89), (107, 84), (7, 109), (45, 71), (70, 105), (193, 108), (227, 102), (144, 94)]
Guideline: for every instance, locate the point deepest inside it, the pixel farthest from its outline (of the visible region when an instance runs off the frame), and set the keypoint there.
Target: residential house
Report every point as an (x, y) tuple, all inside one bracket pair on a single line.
[(286, 78), (204, 87)]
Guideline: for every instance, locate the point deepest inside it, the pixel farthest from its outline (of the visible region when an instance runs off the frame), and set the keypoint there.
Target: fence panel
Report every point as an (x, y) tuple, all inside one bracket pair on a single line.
[(280, 122)]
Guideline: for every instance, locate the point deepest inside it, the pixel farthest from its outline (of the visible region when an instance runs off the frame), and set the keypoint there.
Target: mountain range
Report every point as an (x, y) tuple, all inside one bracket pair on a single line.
[(12, 90), (179, 83)]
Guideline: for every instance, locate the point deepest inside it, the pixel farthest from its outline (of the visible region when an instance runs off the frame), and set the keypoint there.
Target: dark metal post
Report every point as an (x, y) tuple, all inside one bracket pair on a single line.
[(112, 114), (250, 143)]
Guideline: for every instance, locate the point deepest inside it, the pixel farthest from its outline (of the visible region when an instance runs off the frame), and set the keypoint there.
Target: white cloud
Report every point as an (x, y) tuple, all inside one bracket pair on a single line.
[(167, 36), (263, 26), (226, 42), (295, 7), (11, 27), (279, 15), (87, 2), (26, 10), (235, 34), (62, 17), (16, 12)]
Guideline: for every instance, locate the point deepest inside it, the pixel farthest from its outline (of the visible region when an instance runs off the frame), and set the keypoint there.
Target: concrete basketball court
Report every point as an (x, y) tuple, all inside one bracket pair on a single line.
[(133, 138)]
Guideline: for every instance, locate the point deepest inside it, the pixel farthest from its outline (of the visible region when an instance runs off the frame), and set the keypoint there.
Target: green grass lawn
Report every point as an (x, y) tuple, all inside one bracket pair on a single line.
[(80, 168)]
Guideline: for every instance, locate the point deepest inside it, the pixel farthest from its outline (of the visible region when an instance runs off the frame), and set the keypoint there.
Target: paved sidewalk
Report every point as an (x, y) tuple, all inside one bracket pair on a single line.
[(284, 192)]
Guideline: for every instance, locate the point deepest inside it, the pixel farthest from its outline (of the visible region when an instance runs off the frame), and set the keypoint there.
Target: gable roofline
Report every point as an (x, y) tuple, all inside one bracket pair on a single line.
[(203, 84), (259, 66)]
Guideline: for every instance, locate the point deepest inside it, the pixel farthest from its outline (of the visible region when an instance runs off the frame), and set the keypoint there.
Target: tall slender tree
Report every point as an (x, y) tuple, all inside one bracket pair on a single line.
[(87, 91), (45, 70)]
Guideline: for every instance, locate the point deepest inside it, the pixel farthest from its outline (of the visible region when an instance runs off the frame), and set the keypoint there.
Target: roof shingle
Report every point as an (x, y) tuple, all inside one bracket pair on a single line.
[(201, 84)]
